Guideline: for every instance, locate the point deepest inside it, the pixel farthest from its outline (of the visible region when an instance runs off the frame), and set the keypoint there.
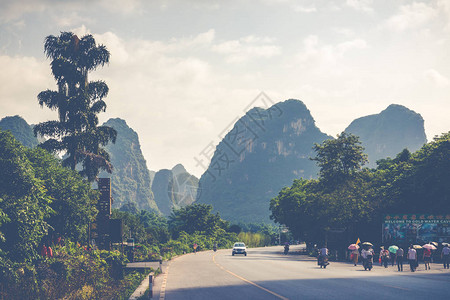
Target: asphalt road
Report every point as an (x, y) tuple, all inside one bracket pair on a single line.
[(265, 273)]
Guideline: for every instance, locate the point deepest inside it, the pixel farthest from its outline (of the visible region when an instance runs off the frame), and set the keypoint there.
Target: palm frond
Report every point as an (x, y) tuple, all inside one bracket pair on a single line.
[(52, 145), (98, 106), (98, 90), (49, 128), (49, 98), (106, 134)]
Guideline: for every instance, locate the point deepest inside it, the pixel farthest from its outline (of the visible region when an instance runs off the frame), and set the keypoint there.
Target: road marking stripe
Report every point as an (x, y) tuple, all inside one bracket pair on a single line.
[(162, 292), (248, 281), (397, 287)]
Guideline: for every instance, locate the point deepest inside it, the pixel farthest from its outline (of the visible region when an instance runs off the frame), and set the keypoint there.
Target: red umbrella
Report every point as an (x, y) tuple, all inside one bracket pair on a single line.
[(353, 247)]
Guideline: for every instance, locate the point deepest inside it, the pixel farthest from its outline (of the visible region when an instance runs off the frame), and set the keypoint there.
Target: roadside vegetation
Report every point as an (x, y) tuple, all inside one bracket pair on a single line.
[(44, 203), (350, 200)]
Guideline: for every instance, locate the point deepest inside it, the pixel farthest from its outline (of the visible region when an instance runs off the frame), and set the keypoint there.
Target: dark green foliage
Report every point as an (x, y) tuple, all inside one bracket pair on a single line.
[(264, 151), (20, 129), (24, 204), (145, 227), (73, 273), (78, 102), (36, 192), (420, 181), (339, 158), (234, 228), (389, 132), (130, 177), (195, 218), (409, 183), (129, 207), (73, 200), (338, 199), (151, 231)]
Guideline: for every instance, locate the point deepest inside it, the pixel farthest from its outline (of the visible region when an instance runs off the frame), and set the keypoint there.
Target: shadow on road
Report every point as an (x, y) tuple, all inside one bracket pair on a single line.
[(386, 287)]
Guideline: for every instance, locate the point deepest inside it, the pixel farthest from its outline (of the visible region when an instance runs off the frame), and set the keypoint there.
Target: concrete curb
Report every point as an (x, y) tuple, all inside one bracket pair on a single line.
[(140, 291)]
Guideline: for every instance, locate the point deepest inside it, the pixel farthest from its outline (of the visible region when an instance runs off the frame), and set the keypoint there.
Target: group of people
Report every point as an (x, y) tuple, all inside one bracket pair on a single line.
[(397, 257)]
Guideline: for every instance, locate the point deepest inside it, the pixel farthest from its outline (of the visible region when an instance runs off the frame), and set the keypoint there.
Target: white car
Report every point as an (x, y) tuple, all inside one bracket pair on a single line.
[(239, 248)]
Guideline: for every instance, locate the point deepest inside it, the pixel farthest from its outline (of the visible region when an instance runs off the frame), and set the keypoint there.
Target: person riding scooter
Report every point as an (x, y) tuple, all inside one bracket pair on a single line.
[(367, 256), (322, 258), (215, 247), (286, 248)]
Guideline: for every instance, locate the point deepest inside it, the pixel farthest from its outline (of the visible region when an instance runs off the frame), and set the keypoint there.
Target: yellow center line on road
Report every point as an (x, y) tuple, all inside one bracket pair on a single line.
[(246, 280), (397, 287)]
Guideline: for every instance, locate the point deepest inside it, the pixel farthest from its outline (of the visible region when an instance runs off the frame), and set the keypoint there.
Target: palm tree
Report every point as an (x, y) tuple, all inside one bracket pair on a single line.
[(78, 103)]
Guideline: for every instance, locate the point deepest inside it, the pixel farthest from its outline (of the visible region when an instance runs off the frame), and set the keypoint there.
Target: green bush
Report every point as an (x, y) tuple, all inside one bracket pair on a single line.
[(254, 239), (72, 273)]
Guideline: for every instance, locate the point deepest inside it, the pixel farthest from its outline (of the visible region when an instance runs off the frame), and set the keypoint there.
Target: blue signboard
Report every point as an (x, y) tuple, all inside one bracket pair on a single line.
[(416, 228)]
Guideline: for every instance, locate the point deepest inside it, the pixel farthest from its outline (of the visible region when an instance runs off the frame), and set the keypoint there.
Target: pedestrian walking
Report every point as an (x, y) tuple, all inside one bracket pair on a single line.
[(392, 256), (412, 257), (427, 258), (399, 255), (384, 257), (445, 255), (355, 254)]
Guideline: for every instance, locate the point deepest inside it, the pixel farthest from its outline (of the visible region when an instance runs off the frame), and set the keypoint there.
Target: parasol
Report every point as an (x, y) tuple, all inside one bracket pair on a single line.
[(353, 247), (393, 249)]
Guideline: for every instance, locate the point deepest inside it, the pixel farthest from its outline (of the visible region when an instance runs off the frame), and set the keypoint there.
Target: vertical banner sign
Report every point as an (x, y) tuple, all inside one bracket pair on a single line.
[(104, 212)]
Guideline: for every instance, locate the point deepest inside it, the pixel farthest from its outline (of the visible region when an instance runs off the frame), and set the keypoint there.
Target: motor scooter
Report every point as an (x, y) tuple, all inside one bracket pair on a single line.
[(322, 261), (368, 263)]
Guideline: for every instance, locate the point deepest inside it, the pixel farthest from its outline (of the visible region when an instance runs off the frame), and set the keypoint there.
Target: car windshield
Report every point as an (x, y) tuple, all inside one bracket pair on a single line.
[(239, 245)]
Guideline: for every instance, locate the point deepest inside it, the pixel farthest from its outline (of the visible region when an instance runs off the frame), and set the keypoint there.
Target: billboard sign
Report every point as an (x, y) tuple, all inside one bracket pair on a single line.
[(415, 228)]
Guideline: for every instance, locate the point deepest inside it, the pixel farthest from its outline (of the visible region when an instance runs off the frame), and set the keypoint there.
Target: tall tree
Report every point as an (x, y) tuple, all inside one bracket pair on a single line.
[(78, 102), (340, 157)]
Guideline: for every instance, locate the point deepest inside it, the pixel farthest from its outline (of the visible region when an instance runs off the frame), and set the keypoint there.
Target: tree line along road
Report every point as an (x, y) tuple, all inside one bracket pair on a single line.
[(265, 273)]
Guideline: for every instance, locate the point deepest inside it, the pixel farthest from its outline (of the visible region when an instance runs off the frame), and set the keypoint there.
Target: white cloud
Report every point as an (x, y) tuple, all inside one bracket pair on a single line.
[(322, 56), (22, 79), (11, 10), (304, 8), (346, 46), (412, 16), (122, 6), (65, 13), (345, 32), (247, 48), (71, 18), (436, 78), (443, 6), (362, 5)]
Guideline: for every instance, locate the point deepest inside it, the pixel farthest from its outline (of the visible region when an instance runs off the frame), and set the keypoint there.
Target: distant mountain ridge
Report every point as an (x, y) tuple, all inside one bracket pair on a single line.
[(21, 130), (386, 134), (174, 188), (130, 177), (265, 151)]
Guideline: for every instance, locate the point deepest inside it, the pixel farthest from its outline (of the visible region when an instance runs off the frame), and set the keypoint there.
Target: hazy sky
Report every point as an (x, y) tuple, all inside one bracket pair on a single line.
[(182, 71)]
